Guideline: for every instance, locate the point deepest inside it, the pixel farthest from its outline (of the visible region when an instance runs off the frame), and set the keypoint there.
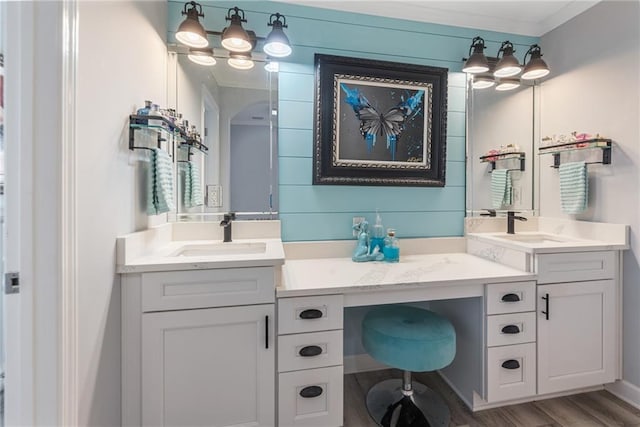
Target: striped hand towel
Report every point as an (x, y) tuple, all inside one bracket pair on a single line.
[(192, 187), (186, 196), (196, 188), (574, 187), (500, 188), (160, 185)]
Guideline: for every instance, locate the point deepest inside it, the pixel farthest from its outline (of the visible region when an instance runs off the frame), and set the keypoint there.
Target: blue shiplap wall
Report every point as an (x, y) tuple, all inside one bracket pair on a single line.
[(311, 212)]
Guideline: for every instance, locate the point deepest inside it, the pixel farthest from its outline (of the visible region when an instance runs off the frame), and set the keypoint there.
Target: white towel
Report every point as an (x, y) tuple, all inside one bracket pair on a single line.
[(160, 185), (574, 187), (500, 188)]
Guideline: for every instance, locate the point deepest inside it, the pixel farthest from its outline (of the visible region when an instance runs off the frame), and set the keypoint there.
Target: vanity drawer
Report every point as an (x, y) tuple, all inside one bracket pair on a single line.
[(311, 350), (309, 314), (508, 329), (312, 397), (511, 372), (511, 297), (177, 290), (573, 267)]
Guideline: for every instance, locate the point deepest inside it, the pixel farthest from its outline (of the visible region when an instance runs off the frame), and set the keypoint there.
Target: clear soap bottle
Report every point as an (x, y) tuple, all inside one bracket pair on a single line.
[(377, 235), (391, 248)]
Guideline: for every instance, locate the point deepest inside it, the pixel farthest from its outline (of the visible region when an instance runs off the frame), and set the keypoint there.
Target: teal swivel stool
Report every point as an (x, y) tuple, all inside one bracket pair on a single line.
[(414, 340)]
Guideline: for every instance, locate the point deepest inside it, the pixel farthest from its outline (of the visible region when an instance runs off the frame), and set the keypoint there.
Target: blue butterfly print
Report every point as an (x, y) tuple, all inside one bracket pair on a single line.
[(390, 124)]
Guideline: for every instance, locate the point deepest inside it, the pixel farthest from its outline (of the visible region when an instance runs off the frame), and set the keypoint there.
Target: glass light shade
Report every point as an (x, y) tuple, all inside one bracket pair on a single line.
[(277, 43), (202, 57), (536, 68), (272, 67), (482, 82), (477, 63), (508, 84), (240, 62), (235, 38)]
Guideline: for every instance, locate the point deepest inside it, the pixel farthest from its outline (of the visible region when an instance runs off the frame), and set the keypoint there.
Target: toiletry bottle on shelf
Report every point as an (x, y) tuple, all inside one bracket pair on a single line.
[(377, 235), (144, 111), (155, 112), (391, 248)]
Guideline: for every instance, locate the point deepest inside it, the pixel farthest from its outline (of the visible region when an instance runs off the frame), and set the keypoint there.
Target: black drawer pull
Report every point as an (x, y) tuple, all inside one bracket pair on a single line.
[(311, 391), (310, 351), (511, 364), (511, 329), (546, 311), (510, 298), (311, 313)]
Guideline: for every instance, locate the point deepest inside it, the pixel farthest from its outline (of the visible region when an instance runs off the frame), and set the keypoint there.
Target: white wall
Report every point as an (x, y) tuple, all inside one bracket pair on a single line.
[(595, 64), (122, 62)]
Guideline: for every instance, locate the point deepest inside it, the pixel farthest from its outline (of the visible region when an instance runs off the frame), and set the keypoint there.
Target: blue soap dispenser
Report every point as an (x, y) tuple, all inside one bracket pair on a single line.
[(391, 248), (377, 235)]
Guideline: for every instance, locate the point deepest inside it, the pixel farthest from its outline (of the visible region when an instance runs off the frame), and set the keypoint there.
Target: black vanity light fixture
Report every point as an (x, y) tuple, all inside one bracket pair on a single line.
[(505, 66), (238, 41), (536, 68), (508, 64), (477, 62)]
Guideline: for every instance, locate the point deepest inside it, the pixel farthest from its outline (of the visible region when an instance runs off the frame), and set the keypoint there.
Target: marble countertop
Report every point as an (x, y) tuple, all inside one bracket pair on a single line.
[(164, 257), (341, 275), (548, 243)]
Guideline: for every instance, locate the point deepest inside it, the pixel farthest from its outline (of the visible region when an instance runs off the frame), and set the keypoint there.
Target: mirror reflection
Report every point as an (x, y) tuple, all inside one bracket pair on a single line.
[(501, 160), (235, 111)]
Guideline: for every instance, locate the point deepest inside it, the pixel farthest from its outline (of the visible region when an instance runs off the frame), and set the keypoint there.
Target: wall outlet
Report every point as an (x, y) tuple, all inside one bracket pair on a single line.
[(357, 220), (214, 196)]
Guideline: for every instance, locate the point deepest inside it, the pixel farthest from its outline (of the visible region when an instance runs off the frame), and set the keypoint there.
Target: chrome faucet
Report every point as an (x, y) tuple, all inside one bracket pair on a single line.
[(511, 217), (226, 223)]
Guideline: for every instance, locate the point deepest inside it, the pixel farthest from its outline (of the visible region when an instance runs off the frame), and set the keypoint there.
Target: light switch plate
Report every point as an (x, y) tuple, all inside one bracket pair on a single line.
[(214, 196)]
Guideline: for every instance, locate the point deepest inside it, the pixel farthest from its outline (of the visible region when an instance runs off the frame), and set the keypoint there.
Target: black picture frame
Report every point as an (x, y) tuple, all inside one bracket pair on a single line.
[(364, 108)]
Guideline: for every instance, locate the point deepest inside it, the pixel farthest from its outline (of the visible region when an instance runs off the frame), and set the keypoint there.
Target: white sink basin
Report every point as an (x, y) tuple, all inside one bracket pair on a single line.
[(532, 238), (220, 249)]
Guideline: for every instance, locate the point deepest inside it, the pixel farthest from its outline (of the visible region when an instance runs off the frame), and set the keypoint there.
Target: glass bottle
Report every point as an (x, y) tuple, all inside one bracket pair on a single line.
[(391, 248), (144, 111), (377, 235)]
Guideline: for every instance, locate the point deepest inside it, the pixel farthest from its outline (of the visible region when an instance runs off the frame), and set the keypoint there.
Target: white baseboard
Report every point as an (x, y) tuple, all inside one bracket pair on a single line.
[(361, 363), (626, 391)]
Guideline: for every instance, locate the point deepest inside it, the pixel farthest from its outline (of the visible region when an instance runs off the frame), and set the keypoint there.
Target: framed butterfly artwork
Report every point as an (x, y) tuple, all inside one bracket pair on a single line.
[(379, 123)]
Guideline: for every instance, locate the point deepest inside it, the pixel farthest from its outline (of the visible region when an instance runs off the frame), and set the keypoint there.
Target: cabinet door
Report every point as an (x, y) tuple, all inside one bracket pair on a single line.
[(212, 367), (576, 344)]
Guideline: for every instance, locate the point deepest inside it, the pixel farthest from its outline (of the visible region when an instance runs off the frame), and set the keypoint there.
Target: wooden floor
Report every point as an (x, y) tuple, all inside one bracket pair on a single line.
[(598, 408)]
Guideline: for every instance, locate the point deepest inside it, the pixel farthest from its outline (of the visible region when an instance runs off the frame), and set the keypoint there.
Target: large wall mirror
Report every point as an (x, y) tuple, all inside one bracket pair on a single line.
[(502, 127), (235, 112)]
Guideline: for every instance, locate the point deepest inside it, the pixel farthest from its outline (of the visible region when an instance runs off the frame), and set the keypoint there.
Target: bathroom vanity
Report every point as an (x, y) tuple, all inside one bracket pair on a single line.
[(198, 316), (237, 335)]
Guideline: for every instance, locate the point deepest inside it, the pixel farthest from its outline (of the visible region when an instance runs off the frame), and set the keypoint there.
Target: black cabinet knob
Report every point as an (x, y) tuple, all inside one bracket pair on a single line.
[(310, 351), (311, 391), (511, 329), (311, 313), (511, 364), (510, 298)]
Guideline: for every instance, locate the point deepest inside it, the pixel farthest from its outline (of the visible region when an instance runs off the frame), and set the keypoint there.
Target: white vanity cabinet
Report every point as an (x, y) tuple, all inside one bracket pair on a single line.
[(310, 370), (577, 320), (510, 341), (198, 347)]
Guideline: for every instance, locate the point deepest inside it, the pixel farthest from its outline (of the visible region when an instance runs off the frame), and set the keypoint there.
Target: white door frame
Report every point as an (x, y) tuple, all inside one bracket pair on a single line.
[(41, 321), (18, 37)]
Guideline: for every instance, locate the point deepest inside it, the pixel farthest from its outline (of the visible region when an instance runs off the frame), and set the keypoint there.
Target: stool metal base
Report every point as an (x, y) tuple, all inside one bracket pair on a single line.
[(421, 406)]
